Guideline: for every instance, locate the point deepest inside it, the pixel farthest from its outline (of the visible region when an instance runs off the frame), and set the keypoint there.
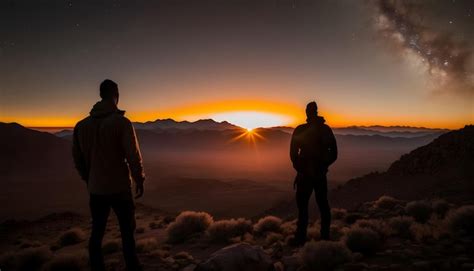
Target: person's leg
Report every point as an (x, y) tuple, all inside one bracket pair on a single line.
[(321, 193), (303, 194), (100, 210), (124, 208)]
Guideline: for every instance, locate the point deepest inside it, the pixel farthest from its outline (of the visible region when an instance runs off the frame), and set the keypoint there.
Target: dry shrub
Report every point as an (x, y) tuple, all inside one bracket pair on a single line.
[(338, 213), (460, 222), (324, 255), (72, 237), (288, 227), (386, 202), (420, 210), (362, 240), (273, 238), (187, 225), (440, 207), (268, 224), (400, 226), (28, 259), (377, 225), (146, 245), (67, 262), (224, 230), (421, 232), (111, 246)]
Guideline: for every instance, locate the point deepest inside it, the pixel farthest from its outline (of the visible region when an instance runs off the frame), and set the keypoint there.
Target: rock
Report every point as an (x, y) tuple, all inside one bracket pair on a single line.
[(278, 266), (355, 266), (237, 257), (422, 265), (291, 263), (190, 267)]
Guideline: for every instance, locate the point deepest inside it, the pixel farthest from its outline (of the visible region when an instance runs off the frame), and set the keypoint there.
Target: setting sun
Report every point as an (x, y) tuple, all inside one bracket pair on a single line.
[(253, 119)]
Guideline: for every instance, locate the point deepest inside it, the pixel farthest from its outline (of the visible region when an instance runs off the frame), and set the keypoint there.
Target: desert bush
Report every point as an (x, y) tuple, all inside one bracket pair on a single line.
[(268, 224), (288, 227), (28, 259), (273, 237), (188, 224), (224, 230), (324, 255), (72, 237), (460, 222), (67, 262), (400, 226), (111, 246), (362, 240), (338, 213), (419, 210), (440, 207), (377, 225), (421, 232), (146, 245), (386, 202)]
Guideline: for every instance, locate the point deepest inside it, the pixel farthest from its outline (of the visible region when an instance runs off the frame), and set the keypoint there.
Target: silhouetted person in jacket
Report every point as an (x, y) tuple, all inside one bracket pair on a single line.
[(313, 149), (106, 153)]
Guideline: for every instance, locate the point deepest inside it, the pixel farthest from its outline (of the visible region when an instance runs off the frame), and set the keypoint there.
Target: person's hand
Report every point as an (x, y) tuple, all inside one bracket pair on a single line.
[(139, 190)]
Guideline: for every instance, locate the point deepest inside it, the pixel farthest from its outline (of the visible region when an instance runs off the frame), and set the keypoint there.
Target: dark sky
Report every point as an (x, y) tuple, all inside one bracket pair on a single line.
[(365, 62)]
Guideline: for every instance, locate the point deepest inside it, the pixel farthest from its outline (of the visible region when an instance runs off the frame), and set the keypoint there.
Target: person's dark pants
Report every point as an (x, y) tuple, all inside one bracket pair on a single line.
[(304, 189), (124, 208)]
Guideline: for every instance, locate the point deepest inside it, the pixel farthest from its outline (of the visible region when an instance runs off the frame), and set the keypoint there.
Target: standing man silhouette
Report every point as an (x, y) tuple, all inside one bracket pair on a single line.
[(106, 153), (313, 149)]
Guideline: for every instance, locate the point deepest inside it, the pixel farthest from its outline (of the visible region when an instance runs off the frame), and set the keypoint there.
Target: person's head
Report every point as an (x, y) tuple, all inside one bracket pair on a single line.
[(311, 109), (109, 91)]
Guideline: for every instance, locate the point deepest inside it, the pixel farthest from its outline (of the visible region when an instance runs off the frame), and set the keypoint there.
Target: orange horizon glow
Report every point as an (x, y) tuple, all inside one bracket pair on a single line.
[(281, 114)]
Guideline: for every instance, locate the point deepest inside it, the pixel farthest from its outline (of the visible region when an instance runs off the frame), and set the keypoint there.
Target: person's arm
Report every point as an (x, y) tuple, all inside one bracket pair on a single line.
[(78, 157), (133, 156), (294, 149), (332, 145)]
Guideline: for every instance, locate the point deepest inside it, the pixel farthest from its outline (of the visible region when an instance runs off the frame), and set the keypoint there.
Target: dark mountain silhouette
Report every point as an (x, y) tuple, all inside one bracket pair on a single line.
[(203, 124), (37, 172)]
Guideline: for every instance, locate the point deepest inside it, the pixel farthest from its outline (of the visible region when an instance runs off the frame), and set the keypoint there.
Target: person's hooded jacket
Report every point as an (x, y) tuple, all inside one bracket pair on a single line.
[(106, 151), (313, 147)]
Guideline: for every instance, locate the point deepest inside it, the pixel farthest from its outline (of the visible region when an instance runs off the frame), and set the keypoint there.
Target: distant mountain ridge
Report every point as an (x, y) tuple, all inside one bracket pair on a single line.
[(202, 124)]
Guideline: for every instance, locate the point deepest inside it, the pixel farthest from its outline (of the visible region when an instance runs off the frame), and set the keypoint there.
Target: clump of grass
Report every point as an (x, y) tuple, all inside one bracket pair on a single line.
[(268, 224), (362, 240), (460, 222), (111, 246), (28, 259), (72, 237), (146, 245), (188, 224), (419, 210), (338, 213), (224, 230), (324, 255), (386, 202), (377, 225), (400, 226), (67, 262), (440, 207), (273, 238)]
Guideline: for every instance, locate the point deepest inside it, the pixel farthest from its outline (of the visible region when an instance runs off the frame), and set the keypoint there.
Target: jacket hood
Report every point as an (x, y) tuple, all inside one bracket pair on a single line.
[(104, 108), (316, 120)]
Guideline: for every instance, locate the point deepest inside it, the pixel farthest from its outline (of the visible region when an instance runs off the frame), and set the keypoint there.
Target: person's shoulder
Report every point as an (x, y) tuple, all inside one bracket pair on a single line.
[(300, 128), (82, 122)]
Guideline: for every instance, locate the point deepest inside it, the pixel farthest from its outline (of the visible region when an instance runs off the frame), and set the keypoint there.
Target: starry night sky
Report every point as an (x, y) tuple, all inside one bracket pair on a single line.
[(365, 62)]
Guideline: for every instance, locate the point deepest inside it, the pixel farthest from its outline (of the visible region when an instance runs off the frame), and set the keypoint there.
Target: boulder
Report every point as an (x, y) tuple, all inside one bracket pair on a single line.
[(237, 257)]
